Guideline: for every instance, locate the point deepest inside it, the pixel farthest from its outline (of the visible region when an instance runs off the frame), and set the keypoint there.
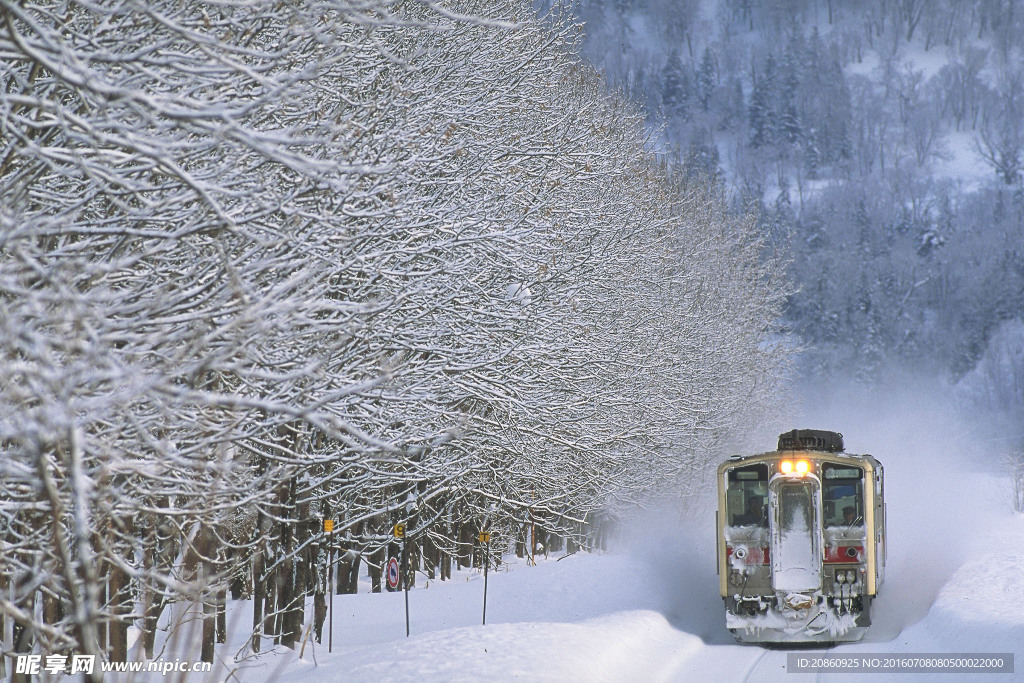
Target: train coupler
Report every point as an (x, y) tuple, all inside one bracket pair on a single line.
[(750, 606)]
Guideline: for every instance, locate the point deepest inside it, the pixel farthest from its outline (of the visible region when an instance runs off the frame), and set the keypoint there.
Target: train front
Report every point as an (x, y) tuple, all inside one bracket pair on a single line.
[(797, 547)]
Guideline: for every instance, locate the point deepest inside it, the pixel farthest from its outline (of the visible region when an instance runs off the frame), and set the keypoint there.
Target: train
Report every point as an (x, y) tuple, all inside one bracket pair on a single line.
[(801, 540)]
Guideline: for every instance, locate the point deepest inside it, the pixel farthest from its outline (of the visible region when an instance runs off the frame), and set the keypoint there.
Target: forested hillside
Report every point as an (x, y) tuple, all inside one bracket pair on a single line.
[(883, 140), (266, 265)]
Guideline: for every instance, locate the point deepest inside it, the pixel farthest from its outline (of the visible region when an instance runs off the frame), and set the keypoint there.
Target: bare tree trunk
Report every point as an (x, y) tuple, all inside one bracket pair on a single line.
[(376, 568), (53, 609), (258, 595), (158, 556), (284, 598), (293, 586), (342, 569), (151, 618), (348, 571), (319, 614), (102, 599), (285, 591), (429, 551), (222, 616), (120, 601), (24, 636), (446, 565), (209, 629), (149, 597), (353, 576), (571, 546), (207, 594), (4, 640), (297, 609), (205, 583), (465, 552), (269, 612)]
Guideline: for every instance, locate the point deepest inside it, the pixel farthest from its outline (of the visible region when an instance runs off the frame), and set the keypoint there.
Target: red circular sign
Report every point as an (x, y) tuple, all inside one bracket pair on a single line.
[(393, 572)]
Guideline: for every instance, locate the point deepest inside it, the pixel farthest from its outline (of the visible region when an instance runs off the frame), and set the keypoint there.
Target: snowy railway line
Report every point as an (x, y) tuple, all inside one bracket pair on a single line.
[(753, 669)]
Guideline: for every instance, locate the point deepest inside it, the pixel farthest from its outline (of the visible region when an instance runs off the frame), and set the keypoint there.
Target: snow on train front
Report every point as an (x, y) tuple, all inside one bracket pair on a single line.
[(801, 540)]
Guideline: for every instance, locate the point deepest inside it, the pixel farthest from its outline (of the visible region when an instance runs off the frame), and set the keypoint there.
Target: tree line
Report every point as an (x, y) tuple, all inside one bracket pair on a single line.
[(267, 264)]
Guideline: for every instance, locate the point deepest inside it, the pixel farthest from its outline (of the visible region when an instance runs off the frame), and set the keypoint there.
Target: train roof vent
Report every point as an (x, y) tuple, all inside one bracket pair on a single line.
[(811, 440)]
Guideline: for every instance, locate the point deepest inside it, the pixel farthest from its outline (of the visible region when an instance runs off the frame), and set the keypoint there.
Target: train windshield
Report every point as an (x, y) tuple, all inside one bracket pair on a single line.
[(842, 493), (746, 498)]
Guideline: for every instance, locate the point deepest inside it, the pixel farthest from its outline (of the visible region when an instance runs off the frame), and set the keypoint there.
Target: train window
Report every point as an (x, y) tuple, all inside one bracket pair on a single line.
[(746, 497), (842, 493)]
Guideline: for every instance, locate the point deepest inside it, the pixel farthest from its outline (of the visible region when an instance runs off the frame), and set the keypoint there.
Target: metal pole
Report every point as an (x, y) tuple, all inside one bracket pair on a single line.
[(487, 561), (330, 590), (405, 582)]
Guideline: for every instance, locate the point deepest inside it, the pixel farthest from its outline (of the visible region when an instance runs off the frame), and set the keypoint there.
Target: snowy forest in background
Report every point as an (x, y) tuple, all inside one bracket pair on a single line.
[(883, 143)]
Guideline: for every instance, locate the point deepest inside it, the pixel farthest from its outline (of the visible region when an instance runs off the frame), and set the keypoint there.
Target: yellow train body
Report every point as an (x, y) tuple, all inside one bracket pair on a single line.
[(801, 540)]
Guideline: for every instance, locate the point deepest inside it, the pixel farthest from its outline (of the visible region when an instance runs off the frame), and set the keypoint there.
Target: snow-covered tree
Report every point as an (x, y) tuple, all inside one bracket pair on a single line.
[(1000, 137), (264, 265)]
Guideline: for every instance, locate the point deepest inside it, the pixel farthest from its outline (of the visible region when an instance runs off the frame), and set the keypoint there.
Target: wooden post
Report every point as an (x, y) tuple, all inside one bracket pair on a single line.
[(330, 584), (405, 583)]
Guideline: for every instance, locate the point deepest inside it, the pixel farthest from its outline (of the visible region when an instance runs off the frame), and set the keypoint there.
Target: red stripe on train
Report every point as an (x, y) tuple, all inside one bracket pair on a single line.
[(754, 555), (843, 554)]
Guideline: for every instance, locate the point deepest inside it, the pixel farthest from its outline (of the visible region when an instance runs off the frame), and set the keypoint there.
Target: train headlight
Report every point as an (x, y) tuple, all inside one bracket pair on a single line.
[(786, 466), (840, 577), (802, 467), (851, 576), (740, 553)]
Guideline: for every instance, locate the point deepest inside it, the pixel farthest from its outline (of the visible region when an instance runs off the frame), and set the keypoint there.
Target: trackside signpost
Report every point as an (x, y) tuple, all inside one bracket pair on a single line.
[(393, 573), (485, 540), (403, 576)]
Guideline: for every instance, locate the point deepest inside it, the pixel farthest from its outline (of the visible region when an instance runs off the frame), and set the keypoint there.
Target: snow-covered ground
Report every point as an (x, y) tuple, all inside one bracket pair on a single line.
[(651, 612)]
